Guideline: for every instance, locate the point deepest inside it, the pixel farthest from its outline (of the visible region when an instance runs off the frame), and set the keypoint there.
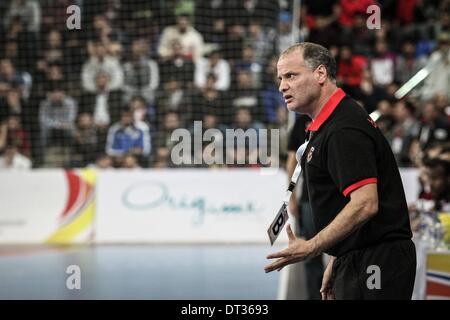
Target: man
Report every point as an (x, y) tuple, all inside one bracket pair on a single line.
[(126, 137), (439, 182), (141, 74), (354, 187), (57, 116), (12, 159), (190, 39)]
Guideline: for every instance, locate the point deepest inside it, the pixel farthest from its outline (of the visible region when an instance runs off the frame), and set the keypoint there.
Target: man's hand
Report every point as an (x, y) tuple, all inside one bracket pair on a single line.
[(325, 290), (297, 250)]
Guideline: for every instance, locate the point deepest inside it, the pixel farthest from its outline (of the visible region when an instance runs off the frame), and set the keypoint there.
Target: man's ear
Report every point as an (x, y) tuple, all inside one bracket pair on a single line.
[(321, 74)]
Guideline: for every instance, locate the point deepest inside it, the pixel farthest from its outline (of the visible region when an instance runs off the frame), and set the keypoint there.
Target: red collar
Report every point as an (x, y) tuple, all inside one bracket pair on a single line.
[(327, 110)]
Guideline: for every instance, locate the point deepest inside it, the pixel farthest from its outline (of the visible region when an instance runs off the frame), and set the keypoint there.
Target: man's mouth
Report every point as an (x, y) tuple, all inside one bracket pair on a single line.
[(288, 98)]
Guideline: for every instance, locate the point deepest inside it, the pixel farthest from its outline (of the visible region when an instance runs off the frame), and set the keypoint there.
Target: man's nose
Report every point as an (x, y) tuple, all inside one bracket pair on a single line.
[(283, 86)]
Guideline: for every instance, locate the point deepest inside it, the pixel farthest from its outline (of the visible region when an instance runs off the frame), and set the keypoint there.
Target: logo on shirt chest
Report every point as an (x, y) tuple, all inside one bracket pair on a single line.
[(310, 155), (372, 122)]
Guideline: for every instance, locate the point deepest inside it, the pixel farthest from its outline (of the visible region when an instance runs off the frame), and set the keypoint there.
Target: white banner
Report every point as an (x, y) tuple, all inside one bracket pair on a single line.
[(187, 205), (46, 206), (58, 206), (30, 204)]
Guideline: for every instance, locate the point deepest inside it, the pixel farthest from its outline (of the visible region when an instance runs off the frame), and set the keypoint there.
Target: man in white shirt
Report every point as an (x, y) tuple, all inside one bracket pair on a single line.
[(191, 40), (12, 159), (101, 62), (216, 65)]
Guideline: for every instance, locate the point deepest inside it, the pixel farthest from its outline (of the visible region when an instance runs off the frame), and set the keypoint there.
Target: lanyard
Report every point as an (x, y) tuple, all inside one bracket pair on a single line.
[(297, 171)]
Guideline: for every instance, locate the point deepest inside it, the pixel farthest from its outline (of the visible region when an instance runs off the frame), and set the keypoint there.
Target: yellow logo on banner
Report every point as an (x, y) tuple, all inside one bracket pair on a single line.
[(78, 218)]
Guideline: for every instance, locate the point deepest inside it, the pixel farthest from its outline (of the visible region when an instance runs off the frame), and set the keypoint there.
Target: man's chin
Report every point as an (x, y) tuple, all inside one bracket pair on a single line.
[(292, 107), (296, 109)]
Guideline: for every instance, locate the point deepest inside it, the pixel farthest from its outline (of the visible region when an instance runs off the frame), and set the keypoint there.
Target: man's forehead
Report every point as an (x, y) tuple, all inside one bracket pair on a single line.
[(293, 54), (292, 60)]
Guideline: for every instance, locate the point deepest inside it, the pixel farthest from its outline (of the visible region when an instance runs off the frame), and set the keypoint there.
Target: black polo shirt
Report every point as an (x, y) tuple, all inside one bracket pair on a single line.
[(346, 151)]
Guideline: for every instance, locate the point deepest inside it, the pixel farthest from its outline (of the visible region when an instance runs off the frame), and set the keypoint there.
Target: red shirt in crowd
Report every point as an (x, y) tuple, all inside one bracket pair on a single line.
[(351, 7), (351, 72)]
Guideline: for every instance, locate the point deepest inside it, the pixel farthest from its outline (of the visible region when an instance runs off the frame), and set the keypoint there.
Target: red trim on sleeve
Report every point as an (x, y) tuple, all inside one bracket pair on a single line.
[(359, 184)]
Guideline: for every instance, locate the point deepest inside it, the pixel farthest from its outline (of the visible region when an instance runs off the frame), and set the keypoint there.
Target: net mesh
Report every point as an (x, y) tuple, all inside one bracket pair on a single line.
[(75, 74), (67, 94)]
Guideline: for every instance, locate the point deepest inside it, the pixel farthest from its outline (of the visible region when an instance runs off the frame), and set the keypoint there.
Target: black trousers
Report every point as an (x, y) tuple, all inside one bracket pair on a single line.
[(314, 266), (385, 272)]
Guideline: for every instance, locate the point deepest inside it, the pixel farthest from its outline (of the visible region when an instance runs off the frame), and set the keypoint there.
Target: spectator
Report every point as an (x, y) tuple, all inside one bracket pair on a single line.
[(384, 117), (382, 65), (363, 39), (85, 146), (438, 177), (105, 31), (141, 73), (11, 104), (209, 100), (174, 97), (17, 136), (265, 11), (125, 137), (130, 162), (11, 51), (163, 141), (434, 127), (285, 34), (403, 132), (442, 103), (370, 94), (443, 24), (29, 13), (210, 20), (350, 70), (232, 48), (438, 81), (177, 66), (407, 64), (190, 39), (12, 159), (100, 61), (243, 119), (321, 18), (55, 16), (244, 149), (211, 154), (272, 99), (104, 103), (261, 41), (10, 78), (23, 42), (142, 114), (349, 8), (215, 65), (51, 54), (57, 115), (244, 95), (102, 162), (249, 63)]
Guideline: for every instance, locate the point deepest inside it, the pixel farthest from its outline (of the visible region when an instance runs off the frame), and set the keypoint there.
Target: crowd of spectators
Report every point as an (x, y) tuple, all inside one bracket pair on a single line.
[(111, 93)]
